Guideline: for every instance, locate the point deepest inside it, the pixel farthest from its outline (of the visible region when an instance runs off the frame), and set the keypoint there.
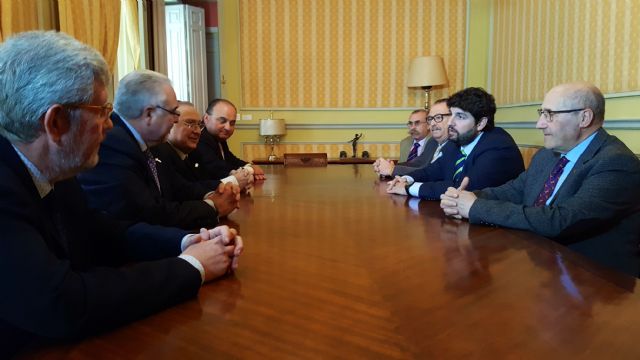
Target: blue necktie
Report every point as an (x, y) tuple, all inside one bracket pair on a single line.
[(457, 174), (414, 151)]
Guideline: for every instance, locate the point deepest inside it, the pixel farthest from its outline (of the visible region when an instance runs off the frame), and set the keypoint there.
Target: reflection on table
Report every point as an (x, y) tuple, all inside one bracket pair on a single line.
[(336, 268)]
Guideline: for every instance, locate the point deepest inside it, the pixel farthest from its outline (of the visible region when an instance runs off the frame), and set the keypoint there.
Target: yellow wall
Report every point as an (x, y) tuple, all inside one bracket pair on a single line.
[(477, 74)]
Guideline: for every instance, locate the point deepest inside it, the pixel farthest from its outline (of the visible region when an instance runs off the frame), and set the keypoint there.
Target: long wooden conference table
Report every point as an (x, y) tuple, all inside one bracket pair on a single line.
[(336, 268)]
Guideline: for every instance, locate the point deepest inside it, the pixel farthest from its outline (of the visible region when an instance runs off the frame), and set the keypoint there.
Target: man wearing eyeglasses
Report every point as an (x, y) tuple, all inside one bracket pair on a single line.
[(477, 149), (62, 264), (419, 149), (212, 153), (182, 141), (129, 182), (581, 190)]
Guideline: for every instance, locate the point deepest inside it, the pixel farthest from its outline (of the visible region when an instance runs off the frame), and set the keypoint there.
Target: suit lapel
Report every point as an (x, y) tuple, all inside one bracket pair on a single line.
[(581, 163), (15, 164), (137, 154)]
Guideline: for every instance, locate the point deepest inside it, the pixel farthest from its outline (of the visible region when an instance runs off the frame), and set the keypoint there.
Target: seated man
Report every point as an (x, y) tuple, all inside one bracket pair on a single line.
[(212, 153), (182, 140), (129, 182), (423, 149), (581, 190), (479, 150), (61, 274)]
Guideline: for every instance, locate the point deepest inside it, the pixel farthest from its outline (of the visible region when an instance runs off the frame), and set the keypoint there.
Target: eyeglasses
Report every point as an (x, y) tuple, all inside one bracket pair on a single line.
[(437, 118), (548, 114), (105, 110), (172, 112), (415, 123), (193, 125)]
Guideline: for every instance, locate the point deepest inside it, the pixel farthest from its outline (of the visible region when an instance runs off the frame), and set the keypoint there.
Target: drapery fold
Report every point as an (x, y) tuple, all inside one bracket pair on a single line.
[(129, 44), (94, 22), (25, 15)]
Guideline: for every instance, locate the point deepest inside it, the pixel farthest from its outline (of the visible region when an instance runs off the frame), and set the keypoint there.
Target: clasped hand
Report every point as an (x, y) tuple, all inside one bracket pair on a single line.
[(217, 250), (457, 202), (397, 186), (226, 198)]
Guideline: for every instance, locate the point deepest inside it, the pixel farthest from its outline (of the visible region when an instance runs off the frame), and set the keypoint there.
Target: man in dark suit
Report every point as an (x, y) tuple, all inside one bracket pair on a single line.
[(419, 149), (129, 183), (477, 149), (182, 141), (581, 190), (212, 153), (60, 260)]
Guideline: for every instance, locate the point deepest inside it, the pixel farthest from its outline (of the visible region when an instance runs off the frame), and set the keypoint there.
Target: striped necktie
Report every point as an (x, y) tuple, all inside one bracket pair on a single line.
[(551, 182), (457, 173), (414, 151)]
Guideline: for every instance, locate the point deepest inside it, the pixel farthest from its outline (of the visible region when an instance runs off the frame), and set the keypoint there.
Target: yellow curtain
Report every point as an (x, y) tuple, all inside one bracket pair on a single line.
[(129, 45), (94, 22), (25, 15)]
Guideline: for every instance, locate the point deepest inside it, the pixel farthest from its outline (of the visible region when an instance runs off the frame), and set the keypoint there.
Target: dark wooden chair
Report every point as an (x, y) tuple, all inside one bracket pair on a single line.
[(305, 159)]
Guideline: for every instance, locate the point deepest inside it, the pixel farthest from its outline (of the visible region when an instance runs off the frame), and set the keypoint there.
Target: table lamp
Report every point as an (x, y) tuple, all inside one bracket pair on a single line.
[(426, 72), (272, 129)]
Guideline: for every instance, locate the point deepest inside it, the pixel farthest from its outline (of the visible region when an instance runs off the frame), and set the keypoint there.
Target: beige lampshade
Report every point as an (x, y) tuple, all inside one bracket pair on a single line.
[(426, 71), (269, 127)]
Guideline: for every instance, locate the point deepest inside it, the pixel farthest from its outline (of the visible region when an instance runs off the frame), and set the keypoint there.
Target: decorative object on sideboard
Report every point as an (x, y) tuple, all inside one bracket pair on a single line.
[(343, 154), (426, 72), (272, 130), (354, 143), (365, 154)]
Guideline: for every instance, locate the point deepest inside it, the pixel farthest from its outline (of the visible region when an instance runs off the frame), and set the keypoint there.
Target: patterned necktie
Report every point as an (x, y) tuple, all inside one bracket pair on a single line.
[(457, 173), (414, 151), (438, 153), (551, 182), (151, 162)]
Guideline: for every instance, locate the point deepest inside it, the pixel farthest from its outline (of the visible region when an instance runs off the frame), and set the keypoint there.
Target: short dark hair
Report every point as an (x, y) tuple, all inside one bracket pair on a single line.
[(215, 102), (440, 101), (477, 102)]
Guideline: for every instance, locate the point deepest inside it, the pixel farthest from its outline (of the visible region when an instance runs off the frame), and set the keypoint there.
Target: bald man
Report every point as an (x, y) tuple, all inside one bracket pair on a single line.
[(581, 190), (182, 141)]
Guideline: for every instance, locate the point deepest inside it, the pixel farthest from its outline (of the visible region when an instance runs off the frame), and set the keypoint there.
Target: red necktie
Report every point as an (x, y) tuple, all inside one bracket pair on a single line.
[(551, 182)]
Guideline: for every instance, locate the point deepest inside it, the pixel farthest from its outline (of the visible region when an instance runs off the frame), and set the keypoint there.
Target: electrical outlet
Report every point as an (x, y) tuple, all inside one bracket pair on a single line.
[(247, 117)]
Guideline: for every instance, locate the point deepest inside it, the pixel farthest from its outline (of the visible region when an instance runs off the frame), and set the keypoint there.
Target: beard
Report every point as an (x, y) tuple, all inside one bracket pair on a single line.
[(72, 154), (464, 138)]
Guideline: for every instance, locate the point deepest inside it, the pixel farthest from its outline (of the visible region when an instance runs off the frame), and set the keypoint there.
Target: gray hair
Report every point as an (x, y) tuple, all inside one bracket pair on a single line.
[(137, 90), (39, 69)]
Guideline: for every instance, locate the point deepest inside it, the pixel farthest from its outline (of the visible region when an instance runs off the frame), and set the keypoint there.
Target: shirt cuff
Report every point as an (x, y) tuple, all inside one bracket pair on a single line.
[(409, 179), (210, 202), (184, 241), (231, 179), (249, 168), (414, 190), (195, 263)]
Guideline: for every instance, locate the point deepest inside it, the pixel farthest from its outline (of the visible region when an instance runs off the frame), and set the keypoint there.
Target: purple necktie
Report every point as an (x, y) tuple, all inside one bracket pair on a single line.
[(414, 151), (551, 182), (151, 162)]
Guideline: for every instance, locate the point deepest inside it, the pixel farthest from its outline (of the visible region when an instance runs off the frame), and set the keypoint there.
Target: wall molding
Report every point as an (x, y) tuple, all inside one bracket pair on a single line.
[(620, 124)]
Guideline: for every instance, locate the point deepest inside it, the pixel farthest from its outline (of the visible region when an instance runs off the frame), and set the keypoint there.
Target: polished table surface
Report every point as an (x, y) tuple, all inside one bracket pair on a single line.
[(336, 268)]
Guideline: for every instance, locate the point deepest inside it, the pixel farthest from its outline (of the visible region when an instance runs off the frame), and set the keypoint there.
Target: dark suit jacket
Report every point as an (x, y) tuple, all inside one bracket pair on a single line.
[(187, 169), (424, 159), (208, 155), (595, 211), (122, 185), (494, 160), (54, 252)]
